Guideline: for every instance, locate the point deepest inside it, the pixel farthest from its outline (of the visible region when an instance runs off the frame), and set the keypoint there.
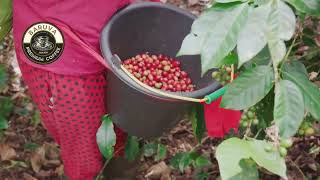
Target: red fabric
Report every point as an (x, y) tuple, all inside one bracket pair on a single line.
[(85, 18), (71, 109), (219, 121)]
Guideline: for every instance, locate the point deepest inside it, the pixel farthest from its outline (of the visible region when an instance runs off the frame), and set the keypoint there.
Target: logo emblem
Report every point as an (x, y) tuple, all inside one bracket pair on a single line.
[(43, 43)]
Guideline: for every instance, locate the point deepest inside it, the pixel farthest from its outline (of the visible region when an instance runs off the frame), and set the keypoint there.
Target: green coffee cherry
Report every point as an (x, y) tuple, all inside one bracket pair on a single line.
[(283, 151), (301, 132), (309, 131), (255, 121), (215, 74), (268, 148), (286, 143), (250, 114)]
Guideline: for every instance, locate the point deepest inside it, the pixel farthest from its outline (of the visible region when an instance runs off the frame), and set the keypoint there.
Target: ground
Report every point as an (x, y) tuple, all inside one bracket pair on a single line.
[(28, 152)]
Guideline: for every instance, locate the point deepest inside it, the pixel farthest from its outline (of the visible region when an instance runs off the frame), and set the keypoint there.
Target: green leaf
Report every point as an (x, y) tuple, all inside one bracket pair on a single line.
[(3, 123), (276, 46), (132, 148), (228, 1), (231, 151), (306, 6), (185, 162), (5, 17), (231, 58), (6, 106), (225, 6), (31, 146), (202, 161), (106, 137), (249, 88), (294, 66), (36, 119), (252, 38), (249, 171), (161, 152), (286, 20), (181, 161), (223, 37), (288, 108), (202, 176), (3, 76), (191, 45), (310, 92), (150, 149), (262, 58), (198, 122)]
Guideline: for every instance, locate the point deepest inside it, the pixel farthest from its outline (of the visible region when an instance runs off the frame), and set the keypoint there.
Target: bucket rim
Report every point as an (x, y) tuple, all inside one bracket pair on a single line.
[(108, 56)]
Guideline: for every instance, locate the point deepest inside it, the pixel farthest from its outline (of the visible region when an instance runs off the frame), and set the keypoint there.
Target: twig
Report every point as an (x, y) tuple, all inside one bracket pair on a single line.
[(296, 166), (104, 166)]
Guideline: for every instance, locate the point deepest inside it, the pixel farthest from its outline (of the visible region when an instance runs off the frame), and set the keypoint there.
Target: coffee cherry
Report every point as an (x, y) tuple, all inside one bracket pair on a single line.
[(283, 151), (286, 143), (215, 74), (309, 131), (160, 72)]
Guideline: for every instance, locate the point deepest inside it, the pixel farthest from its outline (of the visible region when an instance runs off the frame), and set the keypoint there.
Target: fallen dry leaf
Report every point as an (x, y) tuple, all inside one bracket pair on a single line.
[(60, 170), (27, 176), (7, 152), (160, 170), (37, 159), (313, 76)]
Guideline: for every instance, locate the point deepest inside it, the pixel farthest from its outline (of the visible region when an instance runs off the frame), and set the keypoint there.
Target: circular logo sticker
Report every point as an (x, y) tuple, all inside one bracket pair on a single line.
[(43, 43)]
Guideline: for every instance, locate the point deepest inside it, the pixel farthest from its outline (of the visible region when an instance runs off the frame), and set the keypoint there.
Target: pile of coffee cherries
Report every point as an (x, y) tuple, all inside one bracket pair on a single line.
[(160, 72)]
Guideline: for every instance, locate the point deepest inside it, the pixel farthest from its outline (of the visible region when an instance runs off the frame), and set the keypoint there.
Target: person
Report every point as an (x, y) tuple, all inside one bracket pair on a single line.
[(66, 82)]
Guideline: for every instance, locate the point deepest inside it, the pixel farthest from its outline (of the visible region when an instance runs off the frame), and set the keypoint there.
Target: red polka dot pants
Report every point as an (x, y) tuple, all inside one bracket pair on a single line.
[(71, 109)]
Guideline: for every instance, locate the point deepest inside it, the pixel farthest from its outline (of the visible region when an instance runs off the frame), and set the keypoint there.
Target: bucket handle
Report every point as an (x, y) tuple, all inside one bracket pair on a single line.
[(117, 62)]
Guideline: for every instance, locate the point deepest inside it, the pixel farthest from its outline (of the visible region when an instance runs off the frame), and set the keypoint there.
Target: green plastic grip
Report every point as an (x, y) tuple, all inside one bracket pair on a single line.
[(215, 95)]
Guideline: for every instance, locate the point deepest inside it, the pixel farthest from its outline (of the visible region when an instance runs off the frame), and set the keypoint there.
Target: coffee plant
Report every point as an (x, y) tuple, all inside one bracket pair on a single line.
[(258, 32)]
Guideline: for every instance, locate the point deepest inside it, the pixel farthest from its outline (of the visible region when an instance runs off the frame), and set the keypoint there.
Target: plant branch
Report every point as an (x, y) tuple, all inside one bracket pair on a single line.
[(291, 46), (101, 171)]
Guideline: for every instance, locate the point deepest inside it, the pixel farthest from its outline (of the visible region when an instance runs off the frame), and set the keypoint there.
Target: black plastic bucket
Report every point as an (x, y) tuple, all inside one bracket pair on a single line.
[(159, 29)]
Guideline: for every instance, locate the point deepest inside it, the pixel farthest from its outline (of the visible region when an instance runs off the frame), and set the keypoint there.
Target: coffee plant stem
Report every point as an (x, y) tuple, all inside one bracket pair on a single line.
[(291, 46)]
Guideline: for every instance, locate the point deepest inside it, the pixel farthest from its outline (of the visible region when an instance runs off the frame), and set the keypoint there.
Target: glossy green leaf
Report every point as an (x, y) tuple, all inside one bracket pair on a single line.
[(310, 92), (252, 38), (150, 149), (202, 161), (277, 47), (132, 148), (161, 152), (249, 171), (198, 121), (106, 138), (306, 6), (223, 36), (262, 58), (286, 20), (249, 88), (288, 108), (191, 45), (231, 58), (295, 66), (231, 151)]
